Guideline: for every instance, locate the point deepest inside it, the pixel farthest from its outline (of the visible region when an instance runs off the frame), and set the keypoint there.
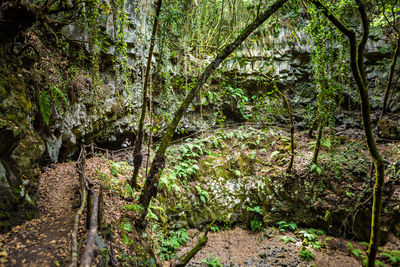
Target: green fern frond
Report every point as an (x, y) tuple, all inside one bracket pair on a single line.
[(56, 94), (45, 106)]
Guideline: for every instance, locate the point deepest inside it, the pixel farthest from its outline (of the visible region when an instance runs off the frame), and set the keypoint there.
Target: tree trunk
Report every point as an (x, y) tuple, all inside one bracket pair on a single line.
[(157, 166), (290, 166), (312, 127), (390, 79), (137, 150), (359, 74), (284, 98), (318, 144)]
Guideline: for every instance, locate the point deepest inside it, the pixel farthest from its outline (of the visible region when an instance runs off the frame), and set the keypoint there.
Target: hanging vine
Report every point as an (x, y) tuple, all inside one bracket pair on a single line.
[(328, 63), (120, 59), (93, 20)]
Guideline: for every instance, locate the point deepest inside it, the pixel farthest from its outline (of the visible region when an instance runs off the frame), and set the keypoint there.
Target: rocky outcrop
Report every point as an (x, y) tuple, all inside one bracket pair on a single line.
[(242, 177), (20, 150), (389, 127)]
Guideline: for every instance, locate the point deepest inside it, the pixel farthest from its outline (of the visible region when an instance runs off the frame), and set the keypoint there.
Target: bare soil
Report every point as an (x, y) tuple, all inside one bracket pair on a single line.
[(239, 247)]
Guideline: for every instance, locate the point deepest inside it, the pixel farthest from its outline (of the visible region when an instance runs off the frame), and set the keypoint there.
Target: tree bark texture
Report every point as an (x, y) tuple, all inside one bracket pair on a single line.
[(137, 150), (360, 77), (150, 187)]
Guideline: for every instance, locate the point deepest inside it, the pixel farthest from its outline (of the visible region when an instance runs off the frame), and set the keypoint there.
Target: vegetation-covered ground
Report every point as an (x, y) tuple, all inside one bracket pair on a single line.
[(232, 178), (233, 183)]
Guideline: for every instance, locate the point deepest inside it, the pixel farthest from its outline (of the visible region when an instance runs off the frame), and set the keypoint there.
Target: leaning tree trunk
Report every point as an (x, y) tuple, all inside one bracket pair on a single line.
[(360, 77), (157, 166), (390, 79), (137, 150)]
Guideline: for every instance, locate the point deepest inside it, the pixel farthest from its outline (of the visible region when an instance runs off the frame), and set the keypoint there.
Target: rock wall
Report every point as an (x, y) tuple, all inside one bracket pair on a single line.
[(20, 149)]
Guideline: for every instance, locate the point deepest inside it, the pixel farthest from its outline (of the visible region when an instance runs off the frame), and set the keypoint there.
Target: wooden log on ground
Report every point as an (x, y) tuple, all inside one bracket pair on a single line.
[(75, 247), (101, 206), (87, 256), (74, 235), (200, 244), (90, 202)]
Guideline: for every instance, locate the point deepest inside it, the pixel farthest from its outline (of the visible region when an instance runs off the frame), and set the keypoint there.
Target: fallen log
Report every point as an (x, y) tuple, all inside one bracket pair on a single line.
[(200, 244), (74, 236), (87, 256)]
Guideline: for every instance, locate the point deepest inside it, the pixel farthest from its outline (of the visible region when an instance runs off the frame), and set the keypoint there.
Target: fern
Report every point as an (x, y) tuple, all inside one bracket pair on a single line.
[(134, 207), (287, 239), (45, 101), (45, 106), (56, 93)]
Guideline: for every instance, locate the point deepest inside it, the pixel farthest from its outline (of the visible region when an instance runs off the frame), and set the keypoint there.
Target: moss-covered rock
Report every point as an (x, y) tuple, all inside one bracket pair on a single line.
[(20, 150), (241, 176), (389, 128)]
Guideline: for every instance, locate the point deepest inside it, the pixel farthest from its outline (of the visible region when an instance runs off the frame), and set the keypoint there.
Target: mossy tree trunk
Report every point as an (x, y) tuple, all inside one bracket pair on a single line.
[(312, 127), (292, 128), (290, 166), (390, 79), (137, 150), (318, 143), (360, 77), (157, 166)]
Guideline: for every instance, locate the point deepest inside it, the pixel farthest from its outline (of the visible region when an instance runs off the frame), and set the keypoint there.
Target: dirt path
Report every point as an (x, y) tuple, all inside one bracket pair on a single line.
[(46, 241)]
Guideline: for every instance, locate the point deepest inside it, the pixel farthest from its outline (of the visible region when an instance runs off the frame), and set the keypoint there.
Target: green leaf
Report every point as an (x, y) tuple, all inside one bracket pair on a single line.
[(307, 255), (313, 167), (151, 215), (327, 216), (292, 226), (45, 106), (134, 208), (126, 226), (287, 239), (57, 93), (255, 209), (273, 154), (126, 240)]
